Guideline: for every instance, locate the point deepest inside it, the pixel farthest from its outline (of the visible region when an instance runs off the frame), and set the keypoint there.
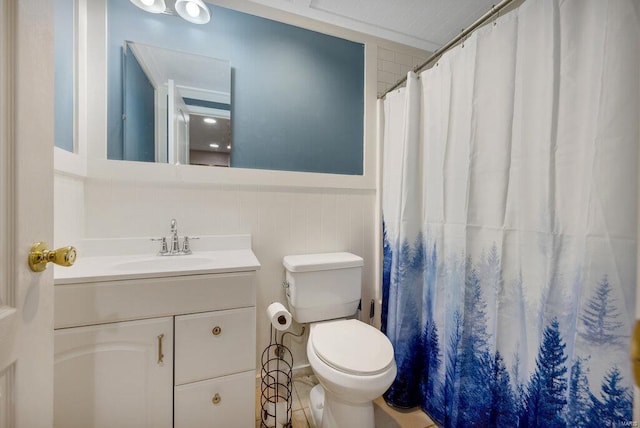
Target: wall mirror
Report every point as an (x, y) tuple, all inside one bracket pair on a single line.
[(176, 107), (295, 97)]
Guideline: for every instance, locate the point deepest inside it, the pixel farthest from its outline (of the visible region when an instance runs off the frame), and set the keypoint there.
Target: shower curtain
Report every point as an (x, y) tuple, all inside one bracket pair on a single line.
[(509, 221)]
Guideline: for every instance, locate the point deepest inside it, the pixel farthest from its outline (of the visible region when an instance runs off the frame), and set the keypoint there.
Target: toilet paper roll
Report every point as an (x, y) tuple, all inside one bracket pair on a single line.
[(275, 415), (279, 316)]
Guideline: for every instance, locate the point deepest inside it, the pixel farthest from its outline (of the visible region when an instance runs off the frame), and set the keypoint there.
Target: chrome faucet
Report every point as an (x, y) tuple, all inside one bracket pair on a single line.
[(175, 249), (175, 240), (186, 247), (164, 250)]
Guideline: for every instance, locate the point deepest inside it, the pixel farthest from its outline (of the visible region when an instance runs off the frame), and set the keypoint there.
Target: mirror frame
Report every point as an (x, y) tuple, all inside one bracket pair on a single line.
[(91, 161)]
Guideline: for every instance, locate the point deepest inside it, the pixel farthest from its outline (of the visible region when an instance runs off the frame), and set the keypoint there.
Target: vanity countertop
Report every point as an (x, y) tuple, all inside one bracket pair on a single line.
[(212, 255)]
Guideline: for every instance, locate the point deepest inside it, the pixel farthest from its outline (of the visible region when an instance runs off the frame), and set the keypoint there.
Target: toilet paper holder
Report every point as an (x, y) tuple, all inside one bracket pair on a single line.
[(277, 382), (280, 349)]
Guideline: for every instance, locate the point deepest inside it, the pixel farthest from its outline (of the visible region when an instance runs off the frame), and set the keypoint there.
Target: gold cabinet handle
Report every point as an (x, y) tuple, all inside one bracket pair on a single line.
[(635, 353), (216, 330), (216, 399), (160, 354), (40, 255)]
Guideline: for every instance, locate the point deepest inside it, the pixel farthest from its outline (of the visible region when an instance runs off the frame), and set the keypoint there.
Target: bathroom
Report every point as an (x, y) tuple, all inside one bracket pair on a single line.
[(284, 212)]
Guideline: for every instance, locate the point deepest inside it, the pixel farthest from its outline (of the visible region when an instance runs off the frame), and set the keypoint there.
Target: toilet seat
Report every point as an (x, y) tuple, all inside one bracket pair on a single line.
[(352, 347)]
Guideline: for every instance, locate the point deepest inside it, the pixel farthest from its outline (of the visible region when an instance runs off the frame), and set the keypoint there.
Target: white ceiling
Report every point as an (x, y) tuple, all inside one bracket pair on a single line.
[(424, 24), (161, 65)]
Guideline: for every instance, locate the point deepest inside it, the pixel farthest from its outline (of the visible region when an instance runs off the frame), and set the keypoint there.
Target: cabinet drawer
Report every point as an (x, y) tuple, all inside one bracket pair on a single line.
[(227, 401), (77, 304), (214, 344)]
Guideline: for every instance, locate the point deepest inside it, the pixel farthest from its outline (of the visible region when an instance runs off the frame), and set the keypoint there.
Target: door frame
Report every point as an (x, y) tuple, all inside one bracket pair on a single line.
[(7, 287)]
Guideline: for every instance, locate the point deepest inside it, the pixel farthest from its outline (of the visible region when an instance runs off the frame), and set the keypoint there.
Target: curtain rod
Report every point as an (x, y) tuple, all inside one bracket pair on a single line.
[(495, 9)]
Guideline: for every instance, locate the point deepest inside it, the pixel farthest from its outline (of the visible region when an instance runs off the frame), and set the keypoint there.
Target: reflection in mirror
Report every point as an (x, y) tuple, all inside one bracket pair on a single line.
[(209, 140), (176, 107)]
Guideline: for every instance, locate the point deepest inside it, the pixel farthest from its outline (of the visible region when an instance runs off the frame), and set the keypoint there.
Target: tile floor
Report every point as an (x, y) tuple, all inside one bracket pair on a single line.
[(386, 417)]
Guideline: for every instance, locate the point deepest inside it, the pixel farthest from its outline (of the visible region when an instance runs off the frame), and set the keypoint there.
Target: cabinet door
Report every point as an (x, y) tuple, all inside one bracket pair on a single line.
[(227, 401), (215, 344), (114, 375)]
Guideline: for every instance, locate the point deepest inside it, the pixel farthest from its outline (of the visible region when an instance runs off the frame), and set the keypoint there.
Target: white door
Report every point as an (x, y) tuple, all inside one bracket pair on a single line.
[(26, 212)]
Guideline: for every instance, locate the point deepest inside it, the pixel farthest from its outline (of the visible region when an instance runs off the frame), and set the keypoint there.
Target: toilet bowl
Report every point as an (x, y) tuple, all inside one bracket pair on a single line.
[(354, 364), (353, 361)]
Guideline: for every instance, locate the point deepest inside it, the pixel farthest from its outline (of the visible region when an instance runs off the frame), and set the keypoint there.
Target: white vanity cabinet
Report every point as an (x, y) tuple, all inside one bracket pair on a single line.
[(114, 375), (154, 352), (215, 369)]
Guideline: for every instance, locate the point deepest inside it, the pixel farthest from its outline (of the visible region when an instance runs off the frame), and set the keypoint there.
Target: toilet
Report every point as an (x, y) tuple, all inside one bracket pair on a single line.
[(352, 360)]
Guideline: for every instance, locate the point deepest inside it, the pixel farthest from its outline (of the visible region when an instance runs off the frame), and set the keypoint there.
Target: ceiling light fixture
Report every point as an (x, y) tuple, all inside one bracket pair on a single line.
[(194, 11), (153, 6)]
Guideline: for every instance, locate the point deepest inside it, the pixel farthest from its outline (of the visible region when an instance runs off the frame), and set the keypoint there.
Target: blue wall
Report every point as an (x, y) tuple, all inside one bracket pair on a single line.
[(297, 95), (63, 73), (138, 143)]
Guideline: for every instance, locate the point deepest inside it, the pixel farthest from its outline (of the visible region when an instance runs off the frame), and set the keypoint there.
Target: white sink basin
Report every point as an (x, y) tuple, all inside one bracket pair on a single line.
[(163, 263), (135, 258)]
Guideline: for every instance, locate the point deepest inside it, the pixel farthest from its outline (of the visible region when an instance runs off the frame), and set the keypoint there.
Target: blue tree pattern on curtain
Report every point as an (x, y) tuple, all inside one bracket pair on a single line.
[(452, 367)]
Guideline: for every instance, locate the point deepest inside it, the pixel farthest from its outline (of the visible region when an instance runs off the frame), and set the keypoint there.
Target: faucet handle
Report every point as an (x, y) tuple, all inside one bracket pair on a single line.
[(186, 246), (164, 249)]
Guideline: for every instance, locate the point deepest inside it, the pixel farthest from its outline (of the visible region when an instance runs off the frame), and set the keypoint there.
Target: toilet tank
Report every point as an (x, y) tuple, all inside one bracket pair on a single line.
[(323, 286)]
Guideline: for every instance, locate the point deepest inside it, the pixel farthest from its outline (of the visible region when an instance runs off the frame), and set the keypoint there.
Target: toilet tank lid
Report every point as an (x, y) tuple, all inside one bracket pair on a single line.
[(323, 261)]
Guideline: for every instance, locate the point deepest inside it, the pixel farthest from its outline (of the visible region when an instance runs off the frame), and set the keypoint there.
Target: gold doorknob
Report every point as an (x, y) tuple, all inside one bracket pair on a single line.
[(40, 255), (635, 353)]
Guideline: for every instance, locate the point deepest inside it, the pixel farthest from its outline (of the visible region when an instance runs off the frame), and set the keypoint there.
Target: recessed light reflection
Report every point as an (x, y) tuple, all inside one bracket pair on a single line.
[(209, 120), (214, 145), (192, 9), (229, 147)]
